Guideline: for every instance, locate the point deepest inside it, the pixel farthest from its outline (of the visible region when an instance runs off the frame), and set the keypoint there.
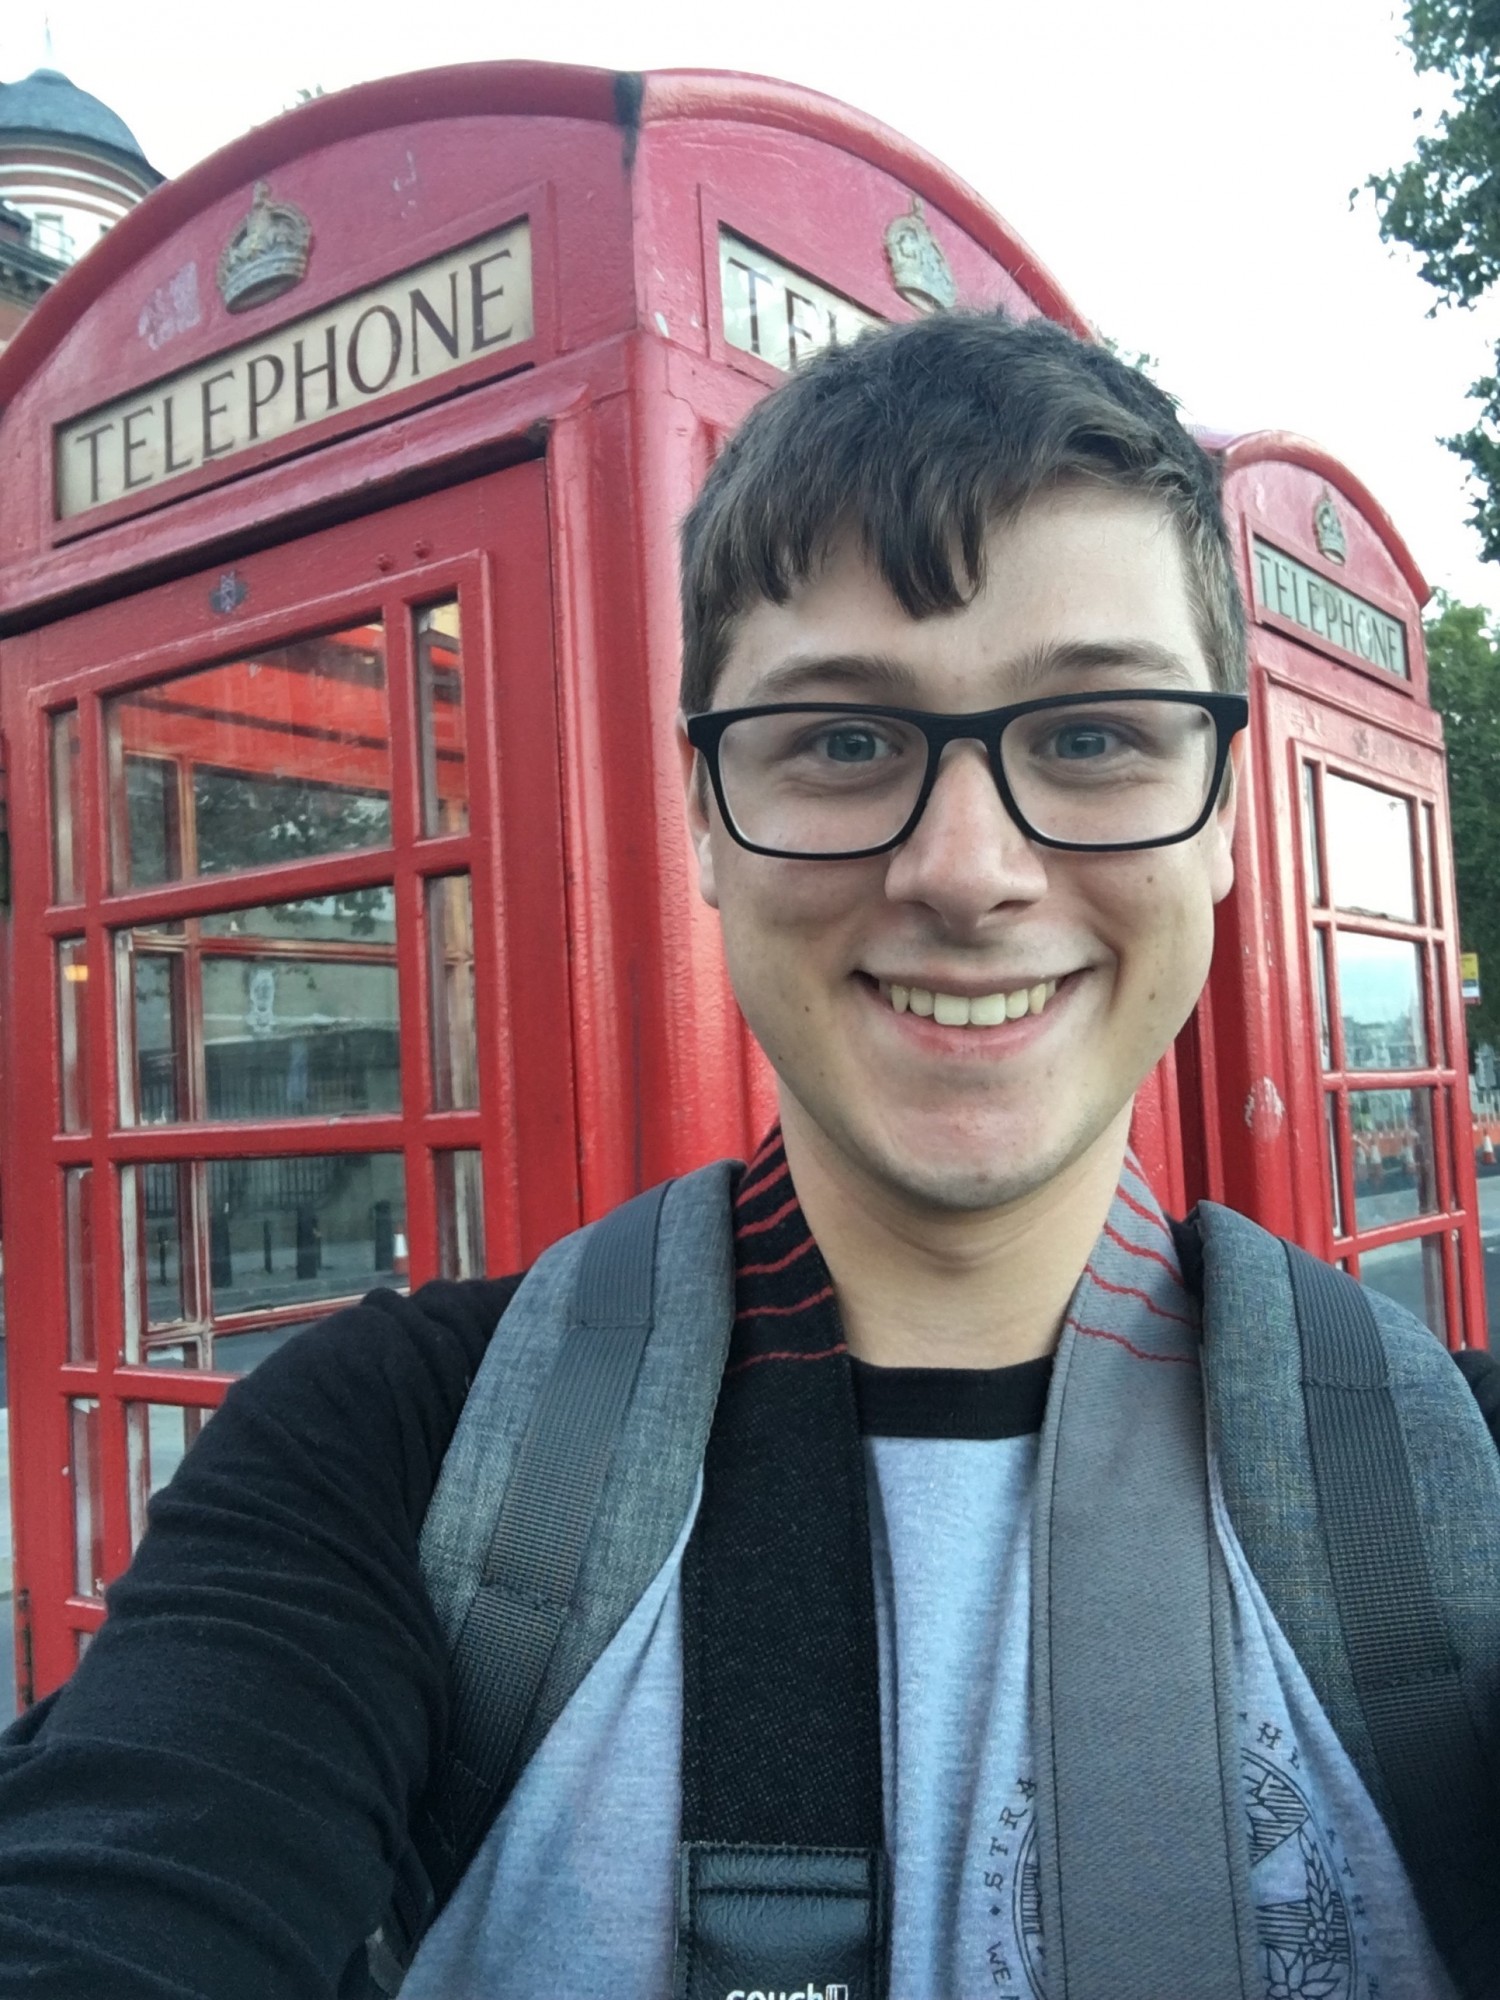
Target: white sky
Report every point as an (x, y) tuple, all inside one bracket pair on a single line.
[(1184, 168)]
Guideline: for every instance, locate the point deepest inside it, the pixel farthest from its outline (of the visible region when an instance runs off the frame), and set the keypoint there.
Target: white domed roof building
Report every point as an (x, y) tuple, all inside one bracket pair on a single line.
[(69, 168)]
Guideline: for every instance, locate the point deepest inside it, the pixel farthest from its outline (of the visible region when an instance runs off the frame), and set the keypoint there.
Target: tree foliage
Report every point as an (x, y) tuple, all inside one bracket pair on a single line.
[(1444, 203), (1463, 659)]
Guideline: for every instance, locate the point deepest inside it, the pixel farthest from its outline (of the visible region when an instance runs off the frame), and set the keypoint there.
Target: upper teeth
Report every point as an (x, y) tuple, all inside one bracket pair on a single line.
[(956, 1010)]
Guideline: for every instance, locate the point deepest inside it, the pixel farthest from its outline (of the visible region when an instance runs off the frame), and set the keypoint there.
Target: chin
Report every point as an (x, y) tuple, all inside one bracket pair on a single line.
[(950, 1183)]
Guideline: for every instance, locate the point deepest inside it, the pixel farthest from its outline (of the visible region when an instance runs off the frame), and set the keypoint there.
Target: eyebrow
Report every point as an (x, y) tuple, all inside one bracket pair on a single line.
[(875, 675), (879, 677)]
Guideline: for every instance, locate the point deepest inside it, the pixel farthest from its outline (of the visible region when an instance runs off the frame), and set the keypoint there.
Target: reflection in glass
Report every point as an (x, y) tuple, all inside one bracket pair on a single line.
[(274, 758), (296, 1038), (460, 1214), (73, 1039), (78, 1225), (1335, 1175), (295, 1007), (1394, 1170), (350, 916), (1412, 1274), (157, 1438), (437, 638), (455, 1047), (1310, 835), (153, 822), (1380, 1001), (312, 1226), (1369, 839), (67, 871), (88, 1496), (159, 1051)]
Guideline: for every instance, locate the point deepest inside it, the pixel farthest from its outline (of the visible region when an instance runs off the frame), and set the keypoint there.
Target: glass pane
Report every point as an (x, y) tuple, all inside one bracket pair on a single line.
[(153, 822), (1320, 977), (1380, 1000), (295, 1006), (67, 860), (1310, 834), (352, 916), (1335, 1171), (313, 1226), (1430, 905), (78, 1216), (1369, 838), (1412, 1274), (88, 1497), (460, 1212), (238, 1353), (1394, 1175), (273, 758), (160, 1053), (455, 1051), (154, 1199), (158, 1436), (72, 1016), (292, 1037), (438, 644)]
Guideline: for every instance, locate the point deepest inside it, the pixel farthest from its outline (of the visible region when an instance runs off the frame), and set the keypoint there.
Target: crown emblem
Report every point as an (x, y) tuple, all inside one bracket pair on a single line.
[(919, 270), (1328, 529), (266, 255)]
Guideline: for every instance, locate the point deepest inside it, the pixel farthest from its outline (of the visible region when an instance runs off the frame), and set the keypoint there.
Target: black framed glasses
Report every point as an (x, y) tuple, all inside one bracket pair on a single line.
[(1110, 772)]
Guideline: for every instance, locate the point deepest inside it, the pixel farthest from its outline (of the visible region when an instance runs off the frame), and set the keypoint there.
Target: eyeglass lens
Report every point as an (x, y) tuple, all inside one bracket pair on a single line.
[(1091, 774)]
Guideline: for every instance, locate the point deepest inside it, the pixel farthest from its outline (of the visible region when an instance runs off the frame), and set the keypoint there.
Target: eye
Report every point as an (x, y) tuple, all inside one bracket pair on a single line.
[(1080, 742), (852, 743)]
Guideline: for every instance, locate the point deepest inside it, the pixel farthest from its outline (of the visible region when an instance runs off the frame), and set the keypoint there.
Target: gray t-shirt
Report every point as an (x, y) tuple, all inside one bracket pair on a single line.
[(572, 1890)]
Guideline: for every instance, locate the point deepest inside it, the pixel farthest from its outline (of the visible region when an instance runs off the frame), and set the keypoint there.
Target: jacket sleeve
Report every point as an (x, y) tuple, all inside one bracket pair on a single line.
[(214, 1803)]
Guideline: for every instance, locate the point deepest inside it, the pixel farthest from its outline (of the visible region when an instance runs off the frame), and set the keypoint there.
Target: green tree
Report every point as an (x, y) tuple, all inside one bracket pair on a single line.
[(1463, 659), (1444, 203)]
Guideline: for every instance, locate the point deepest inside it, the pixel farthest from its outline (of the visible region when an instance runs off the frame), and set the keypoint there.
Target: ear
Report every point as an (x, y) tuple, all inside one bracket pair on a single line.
[(1220, 829), (699, 805)]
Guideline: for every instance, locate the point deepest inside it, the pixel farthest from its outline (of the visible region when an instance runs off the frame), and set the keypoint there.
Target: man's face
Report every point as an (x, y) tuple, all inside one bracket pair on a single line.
[(1086, 590)]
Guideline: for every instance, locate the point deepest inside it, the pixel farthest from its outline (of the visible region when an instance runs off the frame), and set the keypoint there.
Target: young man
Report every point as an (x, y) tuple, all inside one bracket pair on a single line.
[(962, 653)]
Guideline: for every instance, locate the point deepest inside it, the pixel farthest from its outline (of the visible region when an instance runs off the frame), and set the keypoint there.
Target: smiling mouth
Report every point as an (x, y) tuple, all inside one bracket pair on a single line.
[(958, 1010)]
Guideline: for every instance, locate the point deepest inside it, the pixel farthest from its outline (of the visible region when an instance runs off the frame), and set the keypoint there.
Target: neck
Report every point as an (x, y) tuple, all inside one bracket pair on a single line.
[(921, 1287)]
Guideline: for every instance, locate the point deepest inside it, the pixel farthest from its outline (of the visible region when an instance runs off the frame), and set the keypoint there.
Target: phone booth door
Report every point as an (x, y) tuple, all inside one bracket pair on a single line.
[(307, 1030), (1373, 987)]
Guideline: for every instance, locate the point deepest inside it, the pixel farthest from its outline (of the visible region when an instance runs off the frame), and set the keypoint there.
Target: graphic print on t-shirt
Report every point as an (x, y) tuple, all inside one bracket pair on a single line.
[(1306, 1917), (1017, 1954), (1298, 1877)]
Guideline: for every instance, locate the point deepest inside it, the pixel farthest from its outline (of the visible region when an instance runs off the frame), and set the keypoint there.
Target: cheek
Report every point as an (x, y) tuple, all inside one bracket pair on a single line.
[(799, 901)]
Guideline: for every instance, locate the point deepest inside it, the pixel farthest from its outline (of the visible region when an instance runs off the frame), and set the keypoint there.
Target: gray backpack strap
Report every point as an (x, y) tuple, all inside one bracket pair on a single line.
[(1133, 1686), (1444, 1785), (530, 1573), (1365, 1490), (564, 1488)]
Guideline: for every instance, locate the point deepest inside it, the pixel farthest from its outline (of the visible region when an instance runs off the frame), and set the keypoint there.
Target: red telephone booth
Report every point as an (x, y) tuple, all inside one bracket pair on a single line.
[(1324, 1079), (353, 936)]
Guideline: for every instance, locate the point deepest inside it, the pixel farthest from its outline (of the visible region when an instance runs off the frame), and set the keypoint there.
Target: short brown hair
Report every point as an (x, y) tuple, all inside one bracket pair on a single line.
[(917, 439)]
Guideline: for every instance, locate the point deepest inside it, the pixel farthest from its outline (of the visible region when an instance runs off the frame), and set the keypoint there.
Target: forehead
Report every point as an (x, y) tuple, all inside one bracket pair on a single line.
[(1084, 582)]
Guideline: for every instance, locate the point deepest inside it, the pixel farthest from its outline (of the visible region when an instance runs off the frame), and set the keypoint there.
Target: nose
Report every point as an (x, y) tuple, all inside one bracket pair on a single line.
[(966, 856)]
